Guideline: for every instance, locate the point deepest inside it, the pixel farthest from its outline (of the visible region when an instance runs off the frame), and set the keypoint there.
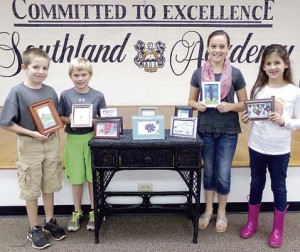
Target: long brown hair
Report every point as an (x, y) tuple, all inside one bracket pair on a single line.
[(262, 78)]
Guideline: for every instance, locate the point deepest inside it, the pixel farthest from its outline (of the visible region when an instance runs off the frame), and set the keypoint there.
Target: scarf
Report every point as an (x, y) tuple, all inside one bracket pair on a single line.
[(207, 74)]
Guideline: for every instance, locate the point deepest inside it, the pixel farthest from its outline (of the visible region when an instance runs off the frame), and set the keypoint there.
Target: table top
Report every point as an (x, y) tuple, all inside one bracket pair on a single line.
[(126, 141)]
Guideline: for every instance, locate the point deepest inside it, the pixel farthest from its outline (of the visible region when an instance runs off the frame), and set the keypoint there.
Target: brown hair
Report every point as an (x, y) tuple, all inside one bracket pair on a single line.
[(30, 53), (217, 33), (262, 78)]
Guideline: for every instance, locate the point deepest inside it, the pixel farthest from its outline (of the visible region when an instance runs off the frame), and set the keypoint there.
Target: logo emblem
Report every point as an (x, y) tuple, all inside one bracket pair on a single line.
[(150, 57)]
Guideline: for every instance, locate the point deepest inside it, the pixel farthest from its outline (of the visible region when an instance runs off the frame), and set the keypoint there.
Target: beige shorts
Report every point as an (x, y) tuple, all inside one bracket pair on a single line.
[(38, 166)]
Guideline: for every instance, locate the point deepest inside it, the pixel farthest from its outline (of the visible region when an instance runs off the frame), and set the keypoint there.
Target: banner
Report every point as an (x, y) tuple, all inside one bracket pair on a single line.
[(143, 52)]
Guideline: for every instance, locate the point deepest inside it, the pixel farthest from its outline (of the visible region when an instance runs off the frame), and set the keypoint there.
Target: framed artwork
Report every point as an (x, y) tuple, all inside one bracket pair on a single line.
[(259, 109), (120, 118), (82, 115), (183, 111), (45, 116), (108, 112), (211, 93), (107, 128), (147, 111), (183, 127), (148, 127)]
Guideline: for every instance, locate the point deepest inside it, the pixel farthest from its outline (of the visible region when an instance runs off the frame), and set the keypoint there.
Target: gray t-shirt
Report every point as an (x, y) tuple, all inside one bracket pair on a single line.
[(212, 121), (70, 97), (15, 109)]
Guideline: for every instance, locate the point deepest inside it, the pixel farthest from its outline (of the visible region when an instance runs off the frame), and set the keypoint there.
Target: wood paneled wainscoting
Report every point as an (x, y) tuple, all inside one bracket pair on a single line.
[(8, 139)]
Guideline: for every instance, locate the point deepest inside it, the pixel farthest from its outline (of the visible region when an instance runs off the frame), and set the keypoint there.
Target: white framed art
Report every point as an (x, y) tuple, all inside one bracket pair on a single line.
[(183, 127), (211, 93)]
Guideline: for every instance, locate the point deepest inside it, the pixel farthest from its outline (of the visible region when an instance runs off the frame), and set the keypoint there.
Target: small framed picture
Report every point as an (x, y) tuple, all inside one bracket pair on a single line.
[(148, 127), (183, 127), (147, 111), (211, 93), (120, 118), (259, 109), (107, 128), (45, 116), (82, 115), (108, 112), (183, 111)]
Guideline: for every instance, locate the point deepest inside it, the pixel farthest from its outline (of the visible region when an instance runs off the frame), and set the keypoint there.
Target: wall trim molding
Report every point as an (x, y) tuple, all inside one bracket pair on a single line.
[(232, 207)]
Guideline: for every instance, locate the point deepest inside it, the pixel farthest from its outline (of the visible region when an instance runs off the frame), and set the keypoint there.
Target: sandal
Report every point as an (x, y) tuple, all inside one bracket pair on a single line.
[(204, 221), (221, 224)]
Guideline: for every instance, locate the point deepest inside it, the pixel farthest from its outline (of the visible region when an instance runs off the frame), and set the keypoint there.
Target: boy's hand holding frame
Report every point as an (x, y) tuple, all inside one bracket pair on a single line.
[(45, 117)]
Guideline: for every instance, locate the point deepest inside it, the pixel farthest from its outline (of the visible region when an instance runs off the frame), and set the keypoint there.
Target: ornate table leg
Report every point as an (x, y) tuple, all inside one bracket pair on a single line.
[(197, 187)]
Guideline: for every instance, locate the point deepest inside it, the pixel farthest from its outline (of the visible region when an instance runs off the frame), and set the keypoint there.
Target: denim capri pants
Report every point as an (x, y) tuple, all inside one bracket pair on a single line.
[(218, 152)]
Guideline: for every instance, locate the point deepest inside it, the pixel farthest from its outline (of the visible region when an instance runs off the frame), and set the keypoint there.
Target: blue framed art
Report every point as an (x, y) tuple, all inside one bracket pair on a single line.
[(148, 127)]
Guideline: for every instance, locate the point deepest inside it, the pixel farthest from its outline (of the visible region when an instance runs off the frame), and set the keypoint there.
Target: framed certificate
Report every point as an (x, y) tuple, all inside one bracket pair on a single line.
[(148, 127), (259, 109), (211, 93), (45, 116), (108, 112), (82, 115), (183, 127), (107, 128)]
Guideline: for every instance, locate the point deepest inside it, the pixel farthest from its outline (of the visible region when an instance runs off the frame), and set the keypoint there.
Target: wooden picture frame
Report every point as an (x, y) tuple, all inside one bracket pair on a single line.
[(183, 111), (82, 116), (107, 128), (147, 111), (148, 127), (211, 93), (45, 116), (120, 118), (183, 127), (259, 109)]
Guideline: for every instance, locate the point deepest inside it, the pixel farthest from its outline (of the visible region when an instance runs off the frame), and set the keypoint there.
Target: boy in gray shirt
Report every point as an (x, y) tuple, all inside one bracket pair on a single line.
[(38, 154), (77, 154)]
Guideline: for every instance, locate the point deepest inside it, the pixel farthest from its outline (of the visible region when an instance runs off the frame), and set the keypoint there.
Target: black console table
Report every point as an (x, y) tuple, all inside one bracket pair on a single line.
[(179, 154)]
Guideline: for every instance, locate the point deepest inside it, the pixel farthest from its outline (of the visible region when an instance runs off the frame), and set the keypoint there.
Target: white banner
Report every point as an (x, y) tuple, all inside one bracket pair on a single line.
[(143, 52)]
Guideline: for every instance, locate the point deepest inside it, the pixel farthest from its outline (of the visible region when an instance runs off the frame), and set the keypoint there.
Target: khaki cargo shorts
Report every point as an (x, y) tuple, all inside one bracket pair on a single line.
[(38, 165)]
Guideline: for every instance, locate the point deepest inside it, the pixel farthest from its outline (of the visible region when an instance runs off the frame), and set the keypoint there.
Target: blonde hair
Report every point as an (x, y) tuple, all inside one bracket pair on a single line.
[(80, 64), (31, 53)]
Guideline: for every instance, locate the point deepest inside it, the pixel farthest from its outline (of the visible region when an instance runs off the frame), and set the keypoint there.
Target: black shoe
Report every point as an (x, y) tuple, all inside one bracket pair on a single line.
[(56, 232), (37, 237)]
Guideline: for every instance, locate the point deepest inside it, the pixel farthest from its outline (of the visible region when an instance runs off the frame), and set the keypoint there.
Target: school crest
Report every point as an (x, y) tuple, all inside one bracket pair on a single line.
[(150, 56)]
